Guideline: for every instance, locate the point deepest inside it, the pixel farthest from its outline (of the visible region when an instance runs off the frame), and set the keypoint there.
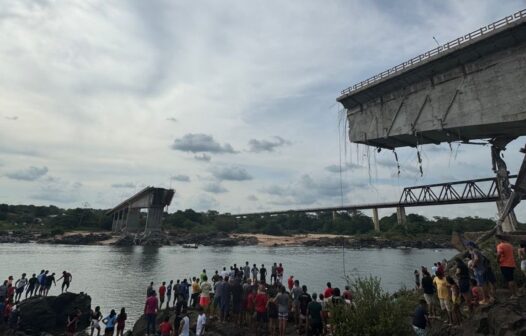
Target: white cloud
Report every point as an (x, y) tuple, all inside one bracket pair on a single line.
[(102, 91)]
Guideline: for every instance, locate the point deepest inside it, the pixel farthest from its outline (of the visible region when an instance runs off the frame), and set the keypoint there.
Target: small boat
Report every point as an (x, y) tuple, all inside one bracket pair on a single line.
[(194, 246)]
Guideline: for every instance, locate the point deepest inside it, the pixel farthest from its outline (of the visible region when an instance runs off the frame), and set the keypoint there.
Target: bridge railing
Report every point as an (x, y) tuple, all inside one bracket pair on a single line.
[(479, 33)]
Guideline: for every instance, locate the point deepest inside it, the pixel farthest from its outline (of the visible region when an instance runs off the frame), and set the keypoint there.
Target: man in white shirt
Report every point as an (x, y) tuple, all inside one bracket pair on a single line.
[(201, 322), (184, 329)]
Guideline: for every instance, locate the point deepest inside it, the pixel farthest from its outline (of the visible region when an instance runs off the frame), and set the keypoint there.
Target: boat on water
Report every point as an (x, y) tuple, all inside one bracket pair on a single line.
[(194, 246)]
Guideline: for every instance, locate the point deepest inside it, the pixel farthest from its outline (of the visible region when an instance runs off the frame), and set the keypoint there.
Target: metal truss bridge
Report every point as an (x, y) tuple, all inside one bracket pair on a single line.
[(459, 192)]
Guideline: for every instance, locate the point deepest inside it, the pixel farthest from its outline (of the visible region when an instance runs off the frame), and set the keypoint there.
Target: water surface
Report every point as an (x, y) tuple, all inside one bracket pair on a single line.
[(117, 277)]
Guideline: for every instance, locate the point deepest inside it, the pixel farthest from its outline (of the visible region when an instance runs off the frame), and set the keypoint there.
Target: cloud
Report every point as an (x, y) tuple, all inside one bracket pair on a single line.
[(172, 119), (12, 118), (201, 143), (393, 165), (30, 174), (215, 188), (257, 146), (181, 178), (203, 157), (204, 202), (346, 167), (127, 185), (231, 173), (306, 190), (57, 190), (252, 198)]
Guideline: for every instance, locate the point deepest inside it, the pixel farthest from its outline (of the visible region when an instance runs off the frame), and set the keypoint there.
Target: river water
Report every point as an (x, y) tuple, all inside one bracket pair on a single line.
[(117, 277)]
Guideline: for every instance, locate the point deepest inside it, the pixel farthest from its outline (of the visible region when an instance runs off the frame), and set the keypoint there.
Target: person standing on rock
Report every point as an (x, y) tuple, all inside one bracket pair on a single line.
[(260, 304), (149, 290), (150, 310), (273, 274), (32, 283), (110, 322), (246, 271), (280, 271), (175, 289), (162, 293), (95, 317), (226, 294), (42, 282), (201, 322), (507, 264), (255, 273), (67, 278), (184, 328), (50, 280), (204, 297), (20, 285), (421, 319), (169, 293), (121, 322), (263, 274)]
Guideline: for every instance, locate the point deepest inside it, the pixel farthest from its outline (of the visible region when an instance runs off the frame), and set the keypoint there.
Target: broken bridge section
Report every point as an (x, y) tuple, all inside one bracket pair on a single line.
[(469, 88), (127, 214)]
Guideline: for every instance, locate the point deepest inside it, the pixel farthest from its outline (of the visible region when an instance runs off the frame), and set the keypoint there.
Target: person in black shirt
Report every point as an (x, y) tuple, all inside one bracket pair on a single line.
[(33, 281), (462, 273), (263, 274), (429, 291), (420, 319)]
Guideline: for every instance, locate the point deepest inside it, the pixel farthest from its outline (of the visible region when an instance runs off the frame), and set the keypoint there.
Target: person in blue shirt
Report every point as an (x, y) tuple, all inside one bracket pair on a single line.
[(110, 321)]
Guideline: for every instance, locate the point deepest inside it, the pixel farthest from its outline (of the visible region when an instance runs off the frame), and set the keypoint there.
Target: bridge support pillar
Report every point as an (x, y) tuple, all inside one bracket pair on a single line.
[(400, 216), (376, 221), (114, 223), (133, 220), (153, 222)]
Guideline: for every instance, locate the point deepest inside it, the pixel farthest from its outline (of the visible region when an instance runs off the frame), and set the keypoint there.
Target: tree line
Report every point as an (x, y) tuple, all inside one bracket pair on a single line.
[(190, 221)]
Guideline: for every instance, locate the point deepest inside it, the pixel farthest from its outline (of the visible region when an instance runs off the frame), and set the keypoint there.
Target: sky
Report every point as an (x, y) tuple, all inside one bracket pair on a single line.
[(232, 103)]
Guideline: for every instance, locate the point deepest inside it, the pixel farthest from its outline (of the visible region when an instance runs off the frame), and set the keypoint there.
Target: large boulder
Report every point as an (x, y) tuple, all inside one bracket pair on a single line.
[(49, 313)]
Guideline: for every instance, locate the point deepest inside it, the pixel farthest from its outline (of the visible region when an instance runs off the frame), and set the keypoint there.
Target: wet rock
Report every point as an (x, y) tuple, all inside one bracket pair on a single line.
[(49, 314), (212, 239)]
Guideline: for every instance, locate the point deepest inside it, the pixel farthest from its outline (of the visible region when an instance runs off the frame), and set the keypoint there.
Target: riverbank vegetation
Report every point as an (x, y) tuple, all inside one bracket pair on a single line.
[(48, 218), (379, 313)]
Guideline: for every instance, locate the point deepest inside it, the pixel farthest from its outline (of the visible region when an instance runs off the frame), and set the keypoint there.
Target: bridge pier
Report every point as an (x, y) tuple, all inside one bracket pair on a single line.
[(376, 221), (133, 220), (400, 216), (153, 221)]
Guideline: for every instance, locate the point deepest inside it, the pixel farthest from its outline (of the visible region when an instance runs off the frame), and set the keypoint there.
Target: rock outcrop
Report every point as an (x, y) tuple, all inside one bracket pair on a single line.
[(77, 239), (49, 313), (506, 318)]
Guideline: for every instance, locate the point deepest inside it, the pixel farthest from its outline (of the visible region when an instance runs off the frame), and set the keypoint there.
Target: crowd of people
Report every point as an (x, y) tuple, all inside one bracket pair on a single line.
[(246, 297), (12, 292), (455, 288)]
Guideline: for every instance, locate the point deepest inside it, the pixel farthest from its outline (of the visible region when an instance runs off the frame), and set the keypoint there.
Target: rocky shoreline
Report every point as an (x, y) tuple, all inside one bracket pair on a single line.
[(224, 239)]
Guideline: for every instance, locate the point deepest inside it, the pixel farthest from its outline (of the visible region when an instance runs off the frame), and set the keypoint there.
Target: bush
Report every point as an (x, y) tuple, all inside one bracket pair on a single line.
[(375, 313), (57, 232)]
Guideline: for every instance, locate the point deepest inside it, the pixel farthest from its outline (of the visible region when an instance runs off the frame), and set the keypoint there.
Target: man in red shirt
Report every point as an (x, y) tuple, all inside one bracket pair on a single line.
[(328, 291), (260, 304), (290, 282), (150, 310), (507, 264), (162, 292), (165, 328)]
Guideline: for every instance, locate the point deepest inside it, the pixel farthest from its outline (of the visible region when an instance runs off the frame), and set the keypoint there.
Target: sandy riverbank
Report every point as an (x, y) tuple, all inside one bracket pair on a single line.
[(268, 240)]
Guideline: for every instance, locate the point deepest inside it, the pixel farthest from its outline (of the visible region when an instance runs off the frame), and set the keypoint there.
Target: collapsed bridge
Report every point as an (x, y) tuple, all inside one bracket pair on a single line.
[(471, 88)]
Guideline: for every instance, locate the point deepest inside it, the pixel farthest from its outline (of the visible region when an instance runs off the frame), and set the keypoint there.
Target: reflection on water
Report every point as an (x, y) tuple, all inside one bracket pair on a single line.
[(117, 276)]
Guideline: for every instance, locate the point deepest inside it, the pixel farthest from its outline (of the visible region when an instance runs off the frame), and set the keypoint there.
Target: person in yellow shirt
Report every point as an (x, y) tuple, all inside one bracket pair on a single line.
[(444, 295)]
